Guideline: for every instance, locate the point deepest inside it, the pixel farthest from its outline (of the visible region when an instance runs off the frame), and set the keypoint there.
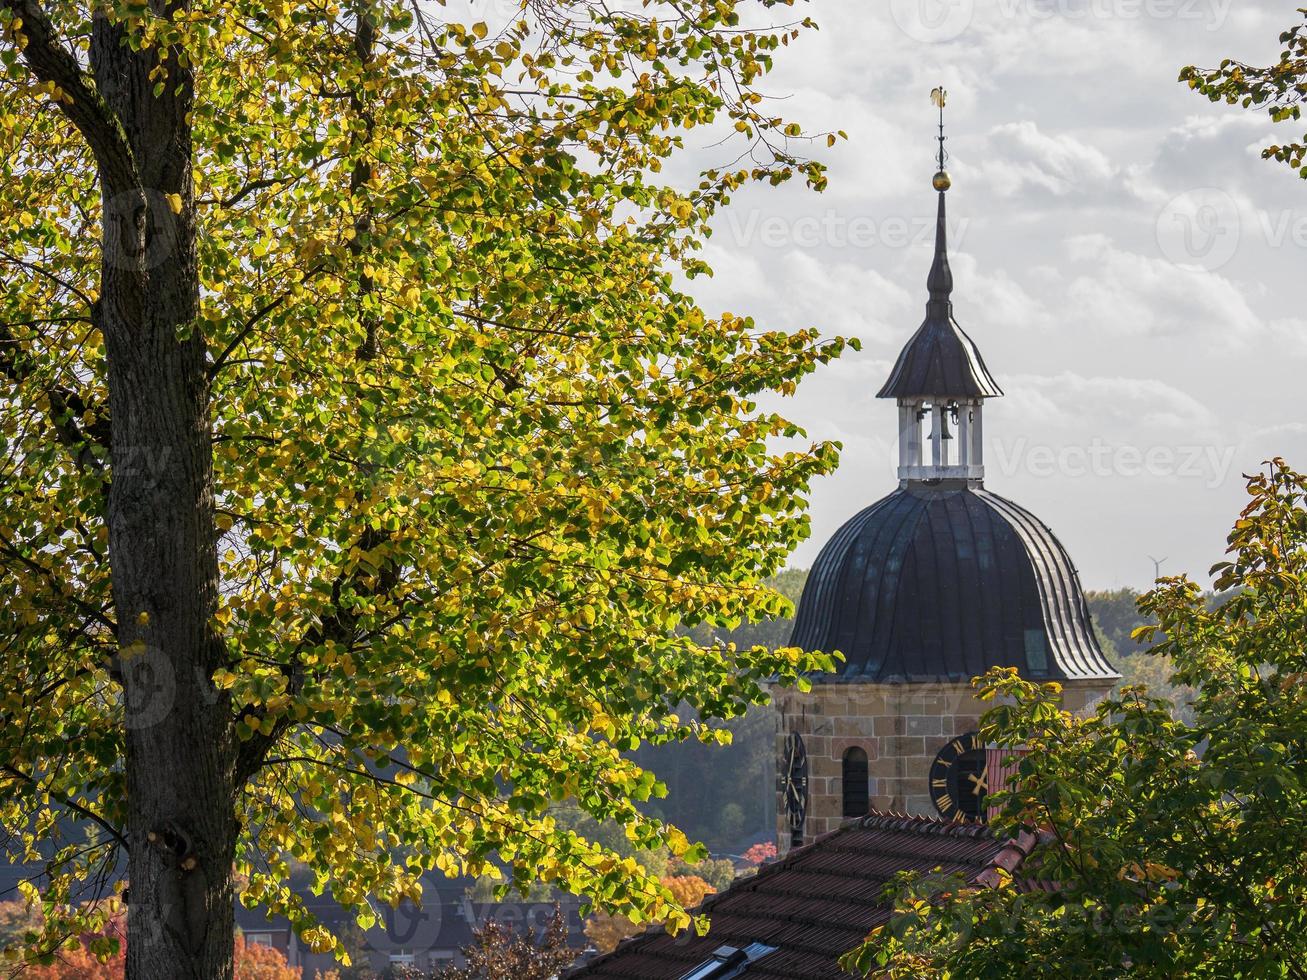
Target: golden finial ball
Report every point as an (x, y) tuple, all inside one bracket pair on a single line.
[(941, 181)]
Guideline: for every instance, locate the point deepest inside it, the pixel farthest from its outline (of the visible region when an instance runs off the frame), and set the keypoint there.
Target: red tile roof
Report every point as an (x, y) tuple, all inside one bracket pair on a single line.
[(817, 903)]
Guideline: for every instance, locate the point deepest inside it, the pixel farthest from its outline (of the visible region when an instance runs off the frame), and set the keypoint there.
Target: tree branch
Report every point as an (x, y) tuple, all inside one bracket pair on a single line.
[(47, 274), (9, 549), (244, 332), (71, 804), (341, 625), (51, 62), (66, 406)]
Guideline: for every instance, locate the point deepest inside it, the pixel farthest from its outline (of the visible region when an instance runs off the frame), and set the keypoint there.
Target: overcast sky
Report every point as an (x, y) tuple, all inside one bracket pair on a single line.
[(1129, 266)]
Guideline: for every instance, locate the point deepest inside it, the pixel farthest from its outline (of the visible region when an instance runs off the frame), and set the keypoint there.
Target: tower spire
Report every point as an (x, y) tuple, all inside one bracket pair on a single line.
[(940, 380), (940, 280)]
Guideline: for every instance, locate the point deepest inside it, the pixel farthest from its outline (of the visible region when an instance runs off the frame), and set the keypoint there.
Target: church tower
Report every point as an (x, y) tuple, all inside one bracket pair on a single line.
[(922, 591)]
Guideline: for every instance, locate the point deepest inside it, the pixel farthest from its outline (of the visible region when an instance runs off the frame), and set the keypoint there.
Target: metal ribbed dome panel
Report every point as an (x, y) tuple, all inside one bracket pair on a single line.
[(937, 583), (940, 359)]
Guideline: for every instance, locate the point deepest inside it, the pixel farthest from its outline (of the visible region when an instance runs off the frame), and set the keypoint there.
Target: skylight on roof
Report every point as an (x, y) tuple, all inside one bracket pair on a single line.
[(728, 961)]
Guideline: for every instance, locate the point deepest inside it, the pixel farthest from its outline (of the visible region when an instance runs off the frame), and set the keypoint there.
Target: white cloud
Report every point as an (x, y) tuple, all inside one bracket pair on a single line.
[(1289, 334), (1122, 292), (1075, 403), (993, 298), (842, 298), (1020, 158)]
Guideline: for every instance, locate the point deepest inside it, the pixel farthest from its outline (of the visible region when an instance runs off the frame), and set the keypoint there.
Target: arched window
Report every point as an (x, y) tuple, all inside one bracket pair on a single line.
[(856, 798)]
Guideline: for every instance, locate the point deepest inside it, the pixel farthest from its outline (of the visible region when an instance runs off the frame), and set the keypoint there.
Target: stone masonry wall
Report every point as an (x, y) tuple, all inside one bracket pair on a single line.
[(900, 726)]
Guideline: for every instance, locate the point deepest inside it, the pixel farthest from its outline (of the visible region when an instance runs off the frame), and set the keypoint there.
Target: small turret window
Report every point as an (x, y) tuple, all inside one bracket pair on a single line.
[(1036, 652), (856, 783)]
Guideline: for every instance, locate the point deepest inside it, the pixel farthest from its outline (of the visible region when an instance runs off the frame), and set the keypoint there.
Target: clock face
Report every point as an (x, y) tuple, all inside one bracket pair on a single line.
[(958, 778), (794, 784)]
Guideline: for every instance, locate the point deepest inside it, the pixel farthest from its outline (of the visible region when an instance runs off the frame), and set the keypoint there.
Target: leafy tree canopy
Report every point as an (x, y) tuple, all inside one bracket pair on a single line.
[(359, 454), (1279, 89)]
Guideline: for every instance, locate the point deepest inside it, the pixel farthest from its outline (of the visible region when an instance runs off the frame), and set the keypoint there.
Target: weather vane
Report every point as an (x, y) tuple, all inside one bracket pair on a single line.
[(941, 181)]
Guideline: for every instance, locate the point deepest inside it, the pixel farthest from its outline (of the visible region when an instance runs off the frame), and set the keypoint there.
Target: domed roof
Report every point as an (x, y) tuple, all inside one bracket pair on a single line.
[(940, 583)]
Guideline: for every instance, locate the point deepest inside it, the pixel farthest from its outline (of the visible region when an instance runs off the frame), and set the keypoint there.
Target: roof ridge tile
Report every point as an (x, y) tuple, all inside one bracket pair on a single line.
[(878, 820)]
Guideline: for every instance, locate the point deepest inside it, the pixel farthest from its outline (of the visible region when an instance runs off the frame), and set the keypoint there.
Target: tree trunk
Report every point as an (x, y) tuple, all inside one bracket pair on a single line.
[(181, 746)]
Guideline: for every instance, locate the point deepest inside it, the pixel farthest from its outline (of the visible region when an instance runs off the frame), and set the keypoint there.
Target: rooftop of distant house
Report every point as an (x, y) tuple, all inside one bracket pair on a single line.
[(794, 919)]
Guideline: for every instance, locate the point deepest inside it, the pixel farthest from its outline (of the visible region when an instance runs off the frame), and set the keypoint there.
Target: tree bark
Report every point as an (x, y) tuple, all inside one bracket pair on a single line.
[(180, 737), (181, 745)]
